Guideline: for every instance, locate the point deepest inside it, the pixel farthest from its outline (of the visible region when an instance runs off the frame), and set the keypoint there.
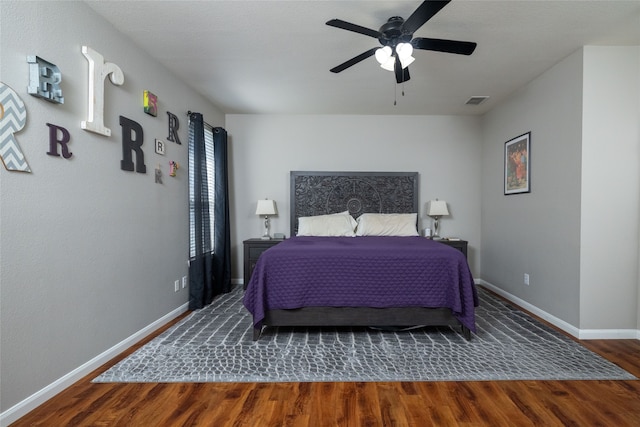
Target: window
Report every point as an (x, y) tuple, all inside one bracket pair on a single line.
[(204, 207)]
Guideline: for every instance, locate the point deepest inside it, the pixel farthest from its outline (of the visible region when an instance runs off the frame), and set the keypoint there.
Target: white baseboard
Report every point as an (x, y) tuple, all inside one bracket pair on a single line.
[(609, 334), (583, 334), (30, 403)]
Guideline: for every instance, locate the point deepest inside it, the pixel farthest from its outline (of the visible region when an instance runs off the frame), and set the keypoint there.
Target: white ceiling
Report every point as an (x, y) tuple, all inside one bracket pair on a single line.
[(267, 56)]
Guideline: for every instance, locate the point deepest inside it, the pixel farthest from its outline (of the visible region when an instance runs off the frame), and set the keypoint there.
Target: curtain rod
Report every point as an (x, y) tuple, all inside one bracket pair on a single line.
[(207, 124)]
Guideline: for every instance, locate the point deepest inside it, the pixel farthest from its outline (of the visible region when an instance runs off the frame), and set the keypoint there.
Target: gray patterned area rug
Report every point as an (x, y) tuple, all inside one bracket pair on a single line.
[(215, 344)]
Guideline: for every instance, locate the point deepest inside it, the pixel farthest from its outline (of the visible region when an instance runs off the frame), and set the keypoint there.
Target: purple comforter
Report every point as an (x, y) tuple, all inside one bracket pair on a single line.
[(361, 271)]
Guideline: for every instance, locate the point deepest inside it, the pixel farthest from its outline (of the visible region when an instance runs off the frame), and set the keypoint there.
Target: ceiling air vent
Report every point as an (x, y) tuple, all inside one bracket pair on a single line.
[(476, 100)]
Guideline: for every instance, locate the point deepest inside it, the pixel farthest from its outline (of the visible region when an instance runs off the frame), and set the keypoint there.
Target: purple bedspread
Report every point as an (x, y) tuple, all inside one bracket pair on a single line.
[(361, 271)]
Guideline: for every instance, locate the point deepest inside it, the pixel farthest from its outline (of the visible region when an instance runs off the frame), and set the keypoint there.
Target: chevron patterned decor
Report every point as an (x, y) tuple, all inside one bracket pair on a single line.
[(13, 117)]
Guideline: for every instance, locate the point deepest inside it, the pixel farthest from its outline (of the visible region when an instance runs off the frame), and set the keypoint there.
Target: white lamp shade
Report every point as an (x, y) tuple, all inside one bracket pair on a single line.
[(404, 50), (387, 59), (405, 62), (383, 54), (266, 207), (389, 64), (437, 208)]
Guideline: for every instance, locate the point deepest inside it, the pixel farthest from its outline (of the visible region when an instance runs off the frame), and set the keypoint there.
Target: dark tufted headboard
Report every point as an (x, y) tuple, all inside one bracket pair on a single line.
[(320, 193)]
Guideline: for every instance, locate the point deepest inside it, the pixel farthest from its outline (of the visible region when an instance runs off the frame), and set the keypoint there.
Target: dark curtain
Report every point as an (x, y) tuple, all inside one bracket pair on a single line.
[(210, 260), (222, 227)]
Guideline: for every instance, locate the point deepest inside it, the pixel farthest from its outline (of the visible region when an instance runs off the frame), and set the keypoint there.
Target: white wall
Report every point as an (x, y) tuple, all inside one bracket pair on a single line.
[(610, 188), (443, 149), (89, 252)]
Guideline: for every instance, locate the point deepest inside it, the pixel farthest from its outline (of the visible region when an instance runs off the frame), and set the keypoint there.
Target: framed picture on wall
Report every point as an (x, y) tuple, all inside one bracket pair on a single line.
[(517, 165)]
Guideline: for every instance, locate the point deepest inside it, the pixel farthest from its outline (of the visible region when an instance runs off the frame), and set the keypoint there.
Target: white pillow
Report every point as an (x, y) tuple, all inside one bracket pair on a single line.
[(333, 225), (370, 224)]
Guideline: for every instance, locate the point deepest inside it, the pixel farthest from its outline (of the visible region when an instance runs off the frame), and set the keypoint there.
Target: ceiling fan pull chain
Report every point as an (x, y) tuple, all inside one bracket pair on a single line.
[(395, 94)]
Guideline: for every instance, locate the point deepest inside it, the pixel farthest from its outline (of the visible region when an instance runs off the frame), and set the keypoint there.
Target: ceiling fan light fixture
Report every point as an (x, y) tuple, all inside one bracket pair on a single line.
[(389, 64), (404, 50), (405, 62), (383, 54), (396, 37)]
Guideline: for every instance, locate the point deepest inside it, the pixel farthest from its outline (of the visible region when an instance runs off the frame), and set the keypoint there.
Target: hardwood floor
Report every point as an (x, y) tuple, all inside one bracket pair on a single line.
[(480, 403)]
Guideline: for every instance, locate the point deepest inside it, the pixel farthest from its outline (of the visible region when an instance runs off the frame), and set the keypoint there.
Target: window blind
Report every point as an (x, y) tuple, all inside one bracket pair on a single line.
[(208, 200)]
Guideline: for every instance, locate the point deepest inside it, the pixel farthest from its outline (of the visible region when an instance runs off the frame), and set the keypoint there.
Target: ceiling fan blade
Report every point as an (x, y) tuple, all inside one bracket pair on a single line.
[(402, 75), (354, 61), (449, 46), (422, 14), (339, 23)]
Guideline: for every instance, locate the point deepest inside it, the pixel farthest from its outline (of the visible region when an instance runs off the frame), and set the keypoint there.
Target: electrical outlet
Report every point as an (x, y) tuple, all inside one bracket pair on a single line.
[(184, 282), (526, 279), (176, 285)]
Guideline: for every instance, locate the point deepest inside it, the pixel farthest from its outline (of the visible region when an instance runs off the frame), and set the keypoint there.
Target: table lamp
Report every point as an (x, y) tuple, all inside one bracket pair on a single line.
[(266, 207), (437, 209)]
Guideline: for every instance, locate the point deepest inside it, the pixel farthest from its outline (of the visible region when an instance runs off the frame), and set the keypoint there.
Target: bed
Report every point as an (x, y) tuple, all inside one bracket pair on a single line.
[(398, 280)]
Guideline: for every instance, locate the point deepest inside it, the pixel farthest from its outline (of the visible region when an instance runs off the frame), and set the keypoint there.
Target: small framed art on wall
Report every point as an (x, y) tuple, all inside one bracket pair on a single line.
[(517, 165)]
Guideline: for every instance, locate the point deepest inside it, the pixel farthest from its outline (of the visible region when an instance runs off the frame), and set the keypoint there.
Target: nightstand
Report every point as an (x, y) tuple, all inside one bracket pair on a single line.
[(460, 245), (252, 250)]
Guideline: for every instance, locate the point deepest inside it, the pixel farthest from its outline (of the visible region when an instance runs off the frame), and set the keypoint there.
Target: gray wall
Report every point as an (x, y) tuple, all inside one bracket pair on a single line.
[(89, 253), (610, 188), (585, 152), (537, 233), (443, 149)]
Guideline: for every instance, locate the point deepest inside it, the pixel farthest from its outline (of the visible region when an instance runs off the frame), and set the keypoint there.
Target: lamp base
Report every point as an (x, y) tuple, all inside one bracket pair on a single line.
[(436, 229), (266, 236)]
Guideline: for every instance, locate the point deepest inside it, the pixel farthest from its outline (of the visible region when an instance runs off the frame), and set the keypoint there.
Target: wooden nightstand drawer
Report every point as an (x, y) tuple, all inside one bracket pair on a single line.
[(253, 248), (254, 252), (460, 245)]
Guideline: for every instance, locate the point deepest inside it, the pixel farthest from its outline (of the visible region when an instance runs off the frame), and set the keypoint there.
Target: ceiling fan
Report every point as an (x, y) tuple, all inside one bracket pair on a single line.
[(396, 38)]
